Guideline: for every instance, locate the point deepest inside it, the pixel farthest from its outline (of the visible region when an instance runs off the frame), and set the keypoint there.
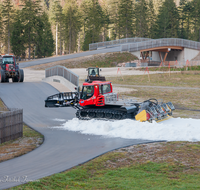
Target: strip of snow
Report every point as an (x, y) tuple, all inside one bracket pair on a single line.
[(174, 129)]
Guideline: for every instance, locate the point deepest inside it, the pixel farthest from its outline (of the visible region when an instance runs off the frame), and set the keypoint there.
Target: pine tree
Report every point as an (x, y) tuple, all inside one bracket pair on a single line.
[(56, 17), (167, 23), (93, 22), (151, 19), (8, 14), (44, 38), (17, 36), (1, 28), (72, 24), (182, 18), (105, 21), (113, 18), (195, 5), (141, 19), (125, 18), (30, 11)]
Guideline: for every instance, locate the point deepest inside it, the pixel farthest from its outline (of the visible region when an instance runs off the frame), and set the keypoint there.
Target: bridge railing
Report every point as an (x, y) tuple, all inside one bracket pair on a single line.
[(63, 72), (95, 46), (159, 43)]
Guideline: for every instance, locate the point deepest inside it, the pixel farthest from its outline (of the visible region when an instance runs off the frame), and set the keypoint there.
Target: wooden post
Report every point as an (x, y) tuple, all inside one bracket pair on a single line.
[(118, 70), (147, 72)]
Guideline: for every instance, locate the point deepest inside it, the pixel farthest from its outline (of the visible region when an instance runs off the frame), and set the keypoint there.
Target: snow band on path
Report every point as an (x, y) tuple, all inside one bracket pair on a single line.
[(174, 129)]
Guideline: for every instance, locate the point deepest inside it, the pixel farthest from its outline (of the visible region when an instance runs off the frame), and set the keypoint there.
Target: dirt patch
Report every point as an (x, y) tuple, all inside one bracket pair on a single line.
[(19, 147), (185, 154)]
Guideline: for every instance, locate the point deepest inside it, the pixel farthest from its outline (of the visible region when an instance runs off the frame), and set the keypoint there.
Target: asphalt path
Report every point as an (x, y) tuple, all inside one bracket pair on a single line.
[(70, 56), (61, 149)]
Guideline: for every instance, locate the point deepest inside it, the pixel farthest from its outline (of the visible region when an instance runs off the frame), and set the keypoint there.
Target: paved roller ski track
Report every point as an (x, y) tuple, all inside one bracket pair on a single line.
[(61, 149), (70, 56)]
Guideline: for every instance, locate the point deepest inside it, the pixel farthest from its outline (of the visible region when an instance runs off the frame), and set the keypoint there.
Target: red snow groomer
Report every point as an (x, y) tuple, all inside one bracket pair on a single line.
[(97, 100)]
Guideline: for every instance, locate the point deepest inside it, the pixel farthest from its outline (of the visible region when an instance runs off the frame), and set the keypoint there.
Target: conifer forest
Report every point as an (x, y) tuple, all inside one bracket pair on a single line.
[(42, 28)]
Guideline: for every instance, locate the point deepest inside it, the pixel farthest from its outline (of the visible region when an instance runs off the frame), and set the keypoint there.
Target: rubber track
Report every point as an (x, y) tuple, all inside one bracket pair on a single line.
[(122, 114)]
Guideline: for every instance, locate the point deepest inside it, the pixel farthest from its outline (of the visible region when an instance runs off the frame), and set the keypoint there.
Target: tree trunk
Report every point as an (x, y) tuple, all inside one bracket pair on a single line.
[(56, 38), (8, 34), (70, 36), (29, 44), (79, 43), (63, 47), (199, 34), (60, 42)]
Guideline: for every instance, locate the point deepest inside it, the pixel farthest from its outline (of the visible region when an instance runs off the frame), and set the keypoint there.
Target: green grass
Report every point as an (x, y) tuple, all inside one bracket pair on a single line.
[(28, 132), (99, 60), (185, 68), (159, 79), (111, 60), (174, 166), (94, 175), (107, 60)]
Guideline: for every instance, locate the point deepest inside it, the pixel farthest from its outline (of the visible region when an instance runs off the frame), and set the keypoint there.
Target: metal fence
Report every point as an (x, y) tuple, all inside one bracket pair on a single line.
[(159, 43), (63, 72), (95, 46), (11, 124)]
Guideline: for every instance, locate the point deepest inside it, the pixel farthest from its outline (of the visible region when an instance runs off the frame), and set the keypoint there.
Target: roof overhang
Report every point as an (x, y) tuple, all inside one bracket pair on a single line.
[(163, 48)]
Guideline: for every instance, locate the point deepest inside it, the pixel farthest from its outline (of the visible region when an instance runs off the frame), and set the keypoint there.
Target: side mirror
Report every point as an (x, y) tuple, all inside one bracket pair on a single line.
[(17, 63), (86, 69), (100, 69), (75, 88)]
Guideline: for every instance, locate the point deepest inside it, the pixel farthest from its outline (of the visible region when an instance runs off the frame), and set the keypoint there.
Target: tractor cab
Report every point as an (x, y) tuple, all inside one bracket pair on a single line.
[(93, 71), (8, 62), (93, 92), (93, 75)]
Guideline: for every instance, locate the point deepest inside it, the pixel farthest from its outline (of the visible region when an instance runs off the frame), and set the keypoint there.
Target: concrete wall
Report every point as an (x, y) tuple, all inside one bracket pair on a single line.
[(184, 55), (190, 54), (155, 56), (175, 55), (136, 53), (61, 80)]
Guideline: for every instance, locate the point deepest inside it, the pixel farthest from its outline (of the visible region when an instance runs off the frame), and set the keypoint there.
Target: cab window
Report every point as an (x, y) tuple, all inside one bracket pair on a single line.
[(100, 91), (106, 88), (7, 60), (93, 71), (87, 92)]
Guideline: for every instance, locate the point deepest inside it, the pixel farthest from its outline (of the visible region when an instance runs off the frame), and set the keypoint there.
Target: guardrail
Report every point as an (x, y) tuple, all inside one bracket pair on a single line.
[(95, 46), (63, 72), (159, 43), (11, 124)]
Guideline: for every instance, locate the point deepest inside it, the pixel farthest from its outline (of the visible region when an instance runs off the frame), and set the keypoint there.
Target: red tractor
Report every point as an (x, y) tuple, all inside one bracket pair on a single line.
[(10, 69), (97, 100)]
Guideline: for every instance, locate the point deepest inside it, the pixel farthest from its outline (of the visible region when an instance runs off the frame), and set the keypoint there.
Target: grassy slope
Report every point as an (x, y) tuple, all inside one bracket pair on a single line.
[(160, 79), (99, 60), (14, 148), (171, 165), (151, 166)]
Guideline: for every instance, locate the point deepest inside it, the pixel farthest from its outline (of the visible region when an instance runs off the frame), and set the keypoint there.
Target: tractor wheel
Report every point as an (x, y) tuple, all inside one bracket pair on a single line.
[(21, 75), (15, 79), (7, 79), (2, 76)]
